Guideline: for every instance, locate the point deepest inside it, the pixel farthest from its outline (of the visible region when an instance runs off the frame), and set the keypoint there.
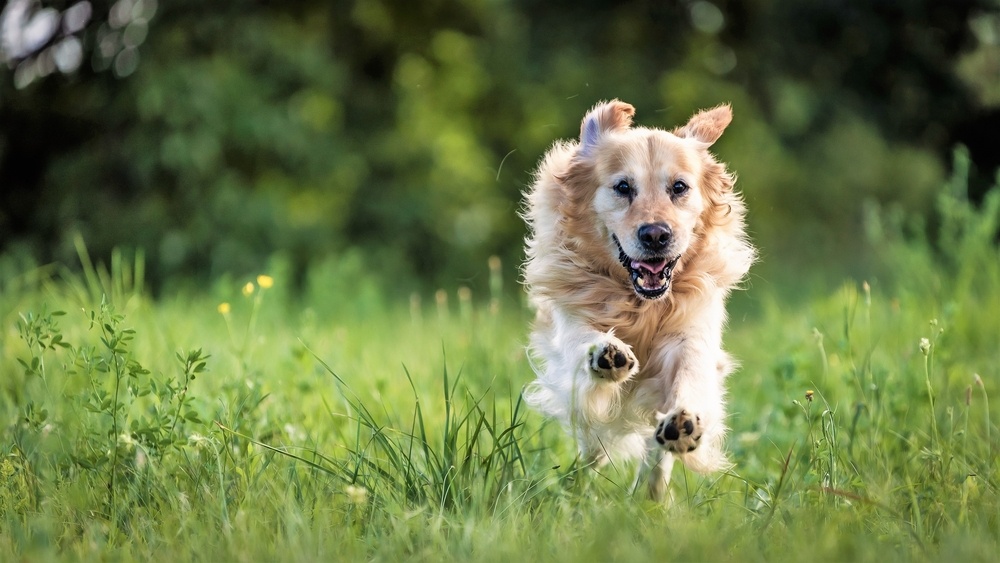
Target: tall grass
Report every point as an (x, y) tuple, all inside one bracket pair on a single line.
[(245, 425)]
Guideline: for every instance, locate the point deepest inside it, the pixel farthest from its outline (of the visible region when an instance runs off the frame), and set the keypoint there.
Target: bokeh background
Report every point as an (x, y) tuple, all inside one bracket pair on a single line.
[(389, 141)]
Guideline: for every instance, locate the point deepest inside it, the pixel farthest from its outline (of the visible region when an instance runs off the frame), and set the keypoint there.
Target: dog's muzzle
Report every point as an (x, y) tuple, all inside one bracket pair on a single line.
[(650, 274)]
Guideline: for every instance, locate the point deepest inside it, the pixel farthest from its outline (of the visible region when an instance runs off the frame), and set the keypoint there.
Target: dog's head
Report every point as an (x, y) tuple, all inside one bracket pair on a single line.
[(649, 192)]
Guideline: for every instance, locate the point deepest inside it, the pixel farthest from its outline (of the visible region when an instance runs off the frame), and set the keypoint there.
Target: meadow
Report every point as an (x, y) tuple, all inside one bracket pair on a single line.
[(245, 422)]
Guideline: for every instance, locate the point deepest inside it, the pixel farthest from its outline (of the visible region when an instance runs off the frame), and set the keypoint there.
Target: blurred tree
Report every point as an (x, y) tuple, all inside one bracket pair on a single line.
[(406, 130), (52, 103), (894, 64)]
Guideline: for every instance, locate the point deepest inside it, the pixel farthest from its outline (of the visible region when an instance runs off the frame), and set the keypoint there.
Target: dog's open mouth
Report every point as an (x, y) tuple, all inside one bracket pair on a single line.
[(650, 275)]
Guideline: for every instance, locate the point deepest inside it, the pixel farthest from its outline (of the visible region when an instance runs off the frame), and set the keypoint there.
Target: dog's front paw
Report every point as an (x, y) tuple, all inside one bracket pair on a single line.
[(612, 360), (679, 431)]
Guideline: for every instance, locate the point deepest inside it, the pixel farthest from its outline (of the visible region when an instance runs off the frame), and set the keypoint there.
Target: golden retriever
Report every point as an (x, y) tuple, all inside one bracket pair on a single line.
[(636, 237)]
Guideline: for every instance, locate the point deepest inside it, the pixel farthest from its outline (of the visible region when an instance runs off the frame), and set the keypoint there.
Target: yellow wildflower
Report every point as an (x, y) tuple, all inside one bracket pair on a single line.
[(223, 308), (248, 289), (265, 282)]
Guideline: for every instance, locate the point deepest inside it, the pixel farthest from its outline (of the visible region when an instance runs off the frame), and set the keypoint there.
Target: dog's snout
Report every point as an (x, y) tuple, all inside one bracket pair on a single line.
[(655, 236)]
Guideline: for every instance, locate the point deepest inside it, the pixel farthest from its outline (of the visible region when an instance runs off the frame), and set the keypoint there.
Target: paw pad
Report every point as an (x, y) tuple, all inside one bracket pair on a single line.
[(608, 361), (679, 432), (611, 361)]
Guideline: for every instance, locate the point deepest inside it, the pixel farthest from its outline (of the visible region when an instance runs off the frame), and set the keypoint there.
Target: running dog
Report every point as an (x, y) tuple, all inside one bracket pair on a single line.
[(636, 238)]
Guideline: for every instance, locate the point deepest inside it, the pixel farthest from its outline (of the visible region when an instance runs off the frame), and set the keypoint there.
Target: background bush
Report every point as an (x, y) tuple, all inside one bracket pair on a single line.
[(406, 131)]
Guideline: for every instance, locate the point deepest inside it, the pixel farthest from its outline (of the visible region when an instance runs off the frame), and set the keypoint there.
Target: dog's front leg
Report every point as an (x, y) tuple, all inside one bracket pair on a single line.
[(694, 424), (584, 369), (654, 471)]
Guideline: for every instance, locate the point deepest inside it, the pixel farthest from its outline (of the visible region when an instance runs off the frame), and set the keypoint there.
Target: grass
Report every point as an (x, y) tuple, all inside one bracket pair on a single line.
[(243, 424)]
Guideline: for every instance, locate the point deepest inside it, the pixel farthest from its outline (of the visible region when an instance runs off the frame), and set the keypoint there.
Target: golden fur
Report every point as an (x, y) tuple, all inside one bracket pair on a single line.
[(663, 397)]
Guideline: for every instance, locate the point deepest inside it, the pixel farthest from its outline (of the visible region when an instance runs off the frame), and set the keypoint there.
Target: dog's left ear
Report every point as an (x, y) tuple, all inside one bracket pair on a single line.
[(707, 125), (604, 117)]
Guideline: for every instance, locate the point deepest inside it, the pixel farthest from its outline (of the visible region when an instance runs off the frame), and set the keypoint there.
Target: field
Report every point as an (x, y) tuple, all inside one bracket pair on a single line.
[(241, 422)]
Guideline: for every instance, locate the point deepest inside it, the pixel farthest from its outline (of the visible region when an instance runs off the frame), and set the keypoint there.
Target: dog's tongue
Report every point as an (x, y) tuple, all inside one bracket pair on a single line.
[(651, 267)]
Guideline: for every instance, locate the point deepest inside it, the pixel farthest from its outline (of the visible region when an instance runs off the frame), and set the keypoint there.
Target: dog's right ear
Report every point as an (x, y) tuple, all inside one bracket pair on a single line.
[(707, 125), (604, 117)]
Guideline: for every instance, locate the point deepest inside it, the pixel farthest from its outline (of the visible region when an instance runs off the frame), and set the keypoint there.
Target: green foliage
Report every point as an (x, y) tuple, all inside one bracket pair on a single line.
[(473, 462), (40, 333), (111, 419), (959, 267), (404, 132)]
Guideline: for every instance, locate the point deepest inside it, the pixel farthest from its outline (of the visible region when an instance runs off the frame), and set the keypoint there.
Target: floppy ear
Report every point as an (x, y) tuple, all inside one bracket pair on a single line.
[(707, 125), (604, 117)]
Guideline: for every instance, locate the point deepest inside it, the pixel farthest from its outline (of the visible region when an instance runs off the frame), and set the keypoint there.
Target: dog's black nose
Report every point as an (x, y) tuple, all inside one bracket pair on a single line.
[(655, 236)]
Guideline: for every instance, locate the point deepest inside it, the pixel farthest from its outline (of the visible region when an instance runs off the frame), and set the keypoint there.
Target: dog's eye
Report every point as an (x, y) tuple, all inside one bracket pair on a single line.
[(679, 187), (623, 188)]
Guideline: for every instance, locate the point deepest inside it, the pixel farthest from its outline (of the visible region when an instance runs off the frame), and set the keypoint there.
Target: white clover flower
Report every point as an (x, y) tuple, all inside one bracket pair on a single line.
[(356, 494)]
